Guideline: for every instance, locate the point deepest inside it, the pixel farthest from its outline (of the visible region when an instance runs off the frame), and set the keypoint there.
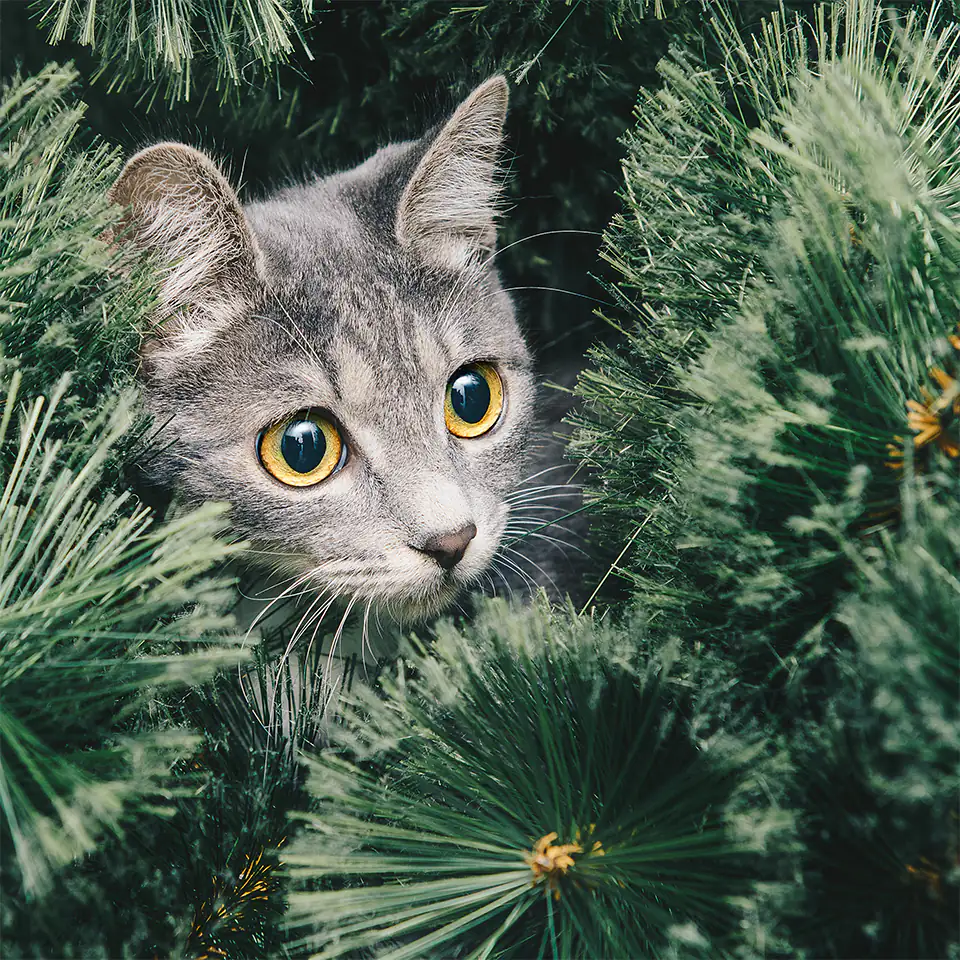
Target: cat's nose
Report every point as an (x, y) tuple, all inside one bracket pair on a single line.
[(448, 548)]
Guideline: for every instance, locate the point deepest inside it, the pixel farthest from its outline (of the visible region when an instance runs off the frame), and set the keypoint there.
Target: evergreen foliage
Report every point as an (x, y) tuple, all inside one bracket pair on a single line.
[(778, 425), (101, 610), (754, 750), (160, 41), (528, 788), (67, 301), (744, 396), (85, 592)]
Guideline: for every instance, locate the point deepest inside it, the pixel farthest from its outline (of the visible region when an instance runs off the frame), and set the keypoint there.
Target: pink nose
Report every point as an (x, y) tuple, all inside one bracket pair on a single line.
[(448, 548)]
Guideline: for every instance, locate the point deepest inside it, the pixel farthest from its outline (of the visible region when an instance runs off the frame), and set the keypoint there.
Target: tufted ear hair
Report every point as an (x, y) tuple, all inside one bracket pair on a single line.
[(448, 208), (181, 208)]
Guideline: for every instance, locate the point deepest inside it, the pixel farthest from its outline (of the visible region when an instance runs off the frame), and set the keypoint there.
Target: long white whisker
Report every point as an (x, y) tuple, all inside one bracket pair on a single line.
[(541, 536), (294, 636), (549, 486), (518, 570), (537, 236), (500, 574), (364, 636), (540, 473), (535, 565), (326, 685)]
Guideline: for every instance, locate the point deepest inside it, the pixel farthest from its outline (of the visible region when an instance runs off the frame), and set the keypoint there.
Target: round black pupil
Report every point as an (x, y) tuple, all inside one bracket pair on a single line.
[(303, 446), (469, 396)]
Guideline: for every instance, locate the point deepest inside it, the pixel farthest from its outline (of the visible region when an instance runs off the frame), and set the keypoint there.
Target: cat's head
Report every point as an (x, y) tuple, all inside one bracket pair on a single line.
[(340, 362)]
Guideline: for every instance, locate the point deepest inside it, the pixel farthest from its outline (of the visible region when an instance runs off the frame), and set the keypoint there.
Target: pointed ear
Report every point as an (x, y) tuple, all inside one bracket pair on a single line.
[(447, 211), (182, 209)]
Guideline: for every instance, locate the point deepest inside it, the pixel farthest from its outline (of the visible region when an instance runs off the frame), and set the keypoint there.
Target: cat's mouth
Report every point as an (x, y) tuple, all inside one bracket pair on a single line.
[(436, 587)]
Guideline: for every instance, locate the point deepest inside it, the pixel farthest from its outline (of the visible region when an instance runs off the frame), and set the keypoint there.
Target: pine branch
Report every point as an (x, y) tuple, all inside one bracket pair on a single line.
[(234, 40), (87, 596), (67, 301), (526, 788), (788, 310)]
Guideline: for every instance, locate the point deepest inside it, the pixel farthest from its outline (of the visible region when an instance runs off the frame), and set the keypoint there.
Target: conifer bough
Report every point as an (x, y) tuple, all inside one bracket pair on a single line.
[(233, 38), (524, 790)]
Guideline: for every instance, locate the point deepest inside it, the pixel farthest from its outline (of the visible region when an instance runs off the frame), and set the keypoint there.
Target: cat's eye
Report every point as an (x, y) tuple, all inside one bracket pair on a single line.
[(302, 450), (474, 400)]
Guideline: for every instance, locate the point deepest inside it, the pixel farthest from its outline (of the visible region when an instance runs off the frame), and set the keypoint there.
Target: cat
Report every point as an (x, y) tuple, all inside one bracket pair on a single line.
[(341, 363)]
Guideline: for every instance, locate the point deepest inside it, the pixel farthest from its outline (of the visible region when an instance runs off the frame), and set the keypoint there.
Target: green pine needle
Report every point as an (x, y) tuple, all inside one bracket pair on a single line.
[(790, 249), (87, 594), (528, 727), (161, 41)]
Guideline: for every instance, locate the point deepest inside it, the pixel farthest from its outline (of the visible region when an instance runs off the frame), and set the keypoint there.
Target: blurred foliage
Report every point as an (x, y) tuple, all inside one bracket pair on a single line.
[(87, 591), (67, 301), (880, 774), (774, 435), (788, 247)]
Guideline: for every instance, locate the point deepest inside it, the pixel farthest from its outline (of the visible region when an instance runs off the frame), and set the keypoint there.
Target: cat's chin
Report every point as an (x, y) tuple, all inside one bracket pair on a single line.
[(416, 609)]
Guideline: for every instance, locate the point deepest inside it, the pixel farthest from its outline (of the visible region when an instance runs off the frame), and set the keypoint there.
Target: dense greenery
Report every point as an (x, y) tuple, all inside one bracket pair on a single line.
[(752, 749)]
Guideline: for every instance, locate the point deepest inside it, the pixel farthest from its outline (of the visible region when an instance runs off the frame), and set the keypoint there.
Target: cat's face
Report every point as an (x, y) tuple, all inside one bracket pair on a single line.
[(340, 362)]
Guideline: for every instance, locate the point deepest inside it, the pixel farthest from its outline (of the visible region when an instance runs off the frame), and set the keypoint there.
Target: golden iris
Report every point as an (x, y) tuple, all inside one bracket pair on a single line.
[(302, 450), (474, 400)]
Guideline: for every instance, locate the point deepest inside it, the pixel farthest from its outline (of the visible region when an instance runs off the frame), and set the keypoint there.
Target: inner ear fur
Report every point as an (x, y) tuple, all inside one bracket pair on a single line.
[(182, 209), (448, 209)]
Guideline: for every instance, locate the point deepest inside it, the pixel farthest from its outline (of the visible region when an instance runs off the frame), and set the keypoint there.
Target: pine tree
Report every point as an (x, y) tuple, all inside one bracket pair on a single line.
[(751, 750), (778, 424)]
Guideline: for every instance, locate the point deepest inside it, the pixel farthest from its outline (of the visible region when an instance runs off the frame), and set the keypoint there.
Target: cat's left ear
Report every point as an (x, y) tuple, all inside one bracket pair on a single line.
[(447, 211)]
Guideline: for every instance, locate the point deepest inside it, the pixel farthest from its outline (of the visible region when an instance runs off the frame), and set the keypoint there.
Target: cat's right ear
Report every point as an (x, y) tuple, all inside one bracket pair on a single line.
[(182, 209)]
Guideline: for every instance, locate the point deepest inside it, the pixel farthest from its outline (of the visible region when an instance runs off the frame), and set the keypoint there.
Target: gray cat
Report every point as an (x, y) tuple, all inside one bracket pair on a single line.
[(341, 363)]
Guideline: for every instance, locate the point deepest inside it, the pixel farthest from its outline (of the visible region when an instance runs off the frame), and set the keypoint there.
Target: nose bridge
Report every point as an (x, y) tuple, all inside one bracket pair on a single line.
[(435, 505), (424, 500)]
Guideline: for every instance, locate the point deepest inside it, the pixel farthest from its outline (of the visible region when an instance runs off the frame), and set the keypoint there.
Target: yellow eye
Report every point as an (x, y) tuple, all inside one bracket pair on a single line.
[(474, 400), (301, 451)]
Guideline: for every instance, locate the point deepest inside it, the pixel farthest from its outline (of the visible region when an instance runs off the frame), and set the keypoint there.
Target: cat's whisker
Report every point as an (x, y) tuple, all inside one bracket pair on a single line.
[(298, 581), (514, 537), (570, 293), (540, 473), (294, 636), (546, 508), (317, 622), (543, 487), (563, 544), (364, 636), (326, 684), (496, 569), (192, 461), (535, 565), (551, 493), (305, 343), (537, 236), (520, 520), (541, 497), (513, 565), (540, 502), (516, 523)]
